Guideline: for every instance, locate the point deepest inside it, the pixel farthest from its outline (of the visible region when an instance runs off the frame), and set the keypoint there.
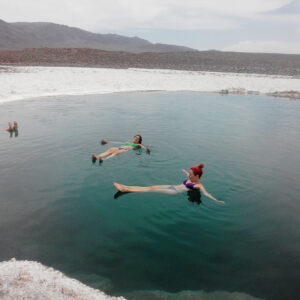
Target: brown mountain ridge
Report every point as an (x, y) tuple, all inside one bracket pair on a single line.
[(22, 35)]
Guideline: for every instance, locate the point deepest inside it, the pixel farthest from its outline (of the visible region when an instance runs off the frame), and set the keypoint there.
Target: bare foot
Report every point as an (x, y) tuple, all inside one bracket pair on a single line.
[(120, 187)]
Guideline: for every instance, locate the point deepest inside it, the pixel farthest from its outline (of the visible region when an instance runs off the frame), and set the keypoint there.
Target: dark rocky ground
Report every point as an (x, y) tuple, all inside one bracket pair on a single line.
[(215, 61)]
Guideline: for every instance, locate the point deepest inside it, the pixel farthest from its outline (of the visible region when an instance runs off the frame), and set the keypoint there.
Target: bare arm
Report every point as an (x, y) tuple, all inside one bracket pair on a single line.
[(185, 172), (104, 141), (114, 142), (202, 188), (144, 147)]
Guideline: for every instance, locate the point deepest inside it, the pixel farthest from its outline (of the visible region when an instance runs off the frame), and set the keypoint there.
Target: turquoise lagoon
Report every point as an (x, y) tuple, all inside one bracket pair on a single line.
[(60, 209)]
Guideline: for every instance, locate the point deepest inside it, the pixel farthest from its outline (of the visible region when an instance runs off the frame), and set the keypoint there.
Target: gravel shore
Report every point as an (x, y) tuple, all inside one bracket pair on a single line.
[(214, 61)]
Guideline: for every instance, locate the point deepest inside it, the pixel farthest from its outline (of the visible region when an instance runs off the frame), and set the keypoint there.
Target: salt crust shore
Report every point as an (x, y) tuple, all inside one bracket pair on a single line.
[(18, 83), (31, 280), (28, 280)]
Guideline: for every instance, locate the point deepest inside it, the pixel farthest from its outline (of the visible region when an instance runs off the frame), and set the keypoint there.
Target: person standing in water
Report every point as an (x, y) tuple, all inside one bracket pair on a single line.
[(193, 182), (13, 129), (10, 127), (114, 151)]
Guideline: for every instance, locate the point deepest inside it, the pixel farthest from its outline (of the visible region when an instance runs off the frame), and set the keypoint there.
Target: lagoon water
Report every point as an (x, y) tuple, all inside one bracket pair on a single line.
[(60, 209)]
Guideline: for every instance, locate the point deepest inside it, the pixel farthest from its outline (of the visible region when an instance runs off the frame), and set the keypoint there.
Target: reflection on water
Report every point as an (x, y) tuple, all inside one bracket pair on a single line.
[(119, 194), (13, 133), (192, 195)]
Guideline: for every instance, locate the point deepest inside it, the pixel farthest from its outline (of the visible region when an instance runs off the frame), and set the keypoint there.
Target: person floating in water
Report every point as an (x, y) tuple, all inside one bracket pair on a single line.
[(112, 152), (192, 183), (13, 129)]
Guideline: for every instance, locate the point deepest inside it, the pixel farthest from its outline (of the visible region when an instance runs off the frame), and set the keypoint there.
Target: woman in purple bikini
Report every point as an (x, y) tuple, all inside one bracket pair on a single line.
[(192, 183)]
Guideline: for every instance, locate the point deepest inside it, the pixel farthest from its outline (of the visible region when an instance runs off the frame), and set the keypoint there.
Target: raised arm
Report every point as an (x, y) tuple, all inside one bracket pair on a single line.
[(202, 188), (185, 172)]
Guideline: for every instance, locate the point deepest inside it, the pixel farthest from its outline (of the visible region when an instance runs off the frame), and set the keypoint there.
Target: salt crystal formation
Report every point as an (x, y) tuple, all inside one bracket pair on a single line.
[(28, 280)]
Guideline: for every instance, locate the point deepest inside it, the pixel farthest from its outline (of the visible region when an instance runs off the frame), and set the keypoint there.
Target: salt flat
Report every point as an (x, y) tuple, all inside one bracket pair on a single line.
[(19, 83)]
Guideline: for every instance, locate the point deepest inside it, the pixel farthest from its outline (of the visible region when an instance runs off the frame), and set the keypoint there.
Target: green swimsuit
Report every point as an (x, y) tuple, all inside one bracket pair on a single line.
[(130, 144)]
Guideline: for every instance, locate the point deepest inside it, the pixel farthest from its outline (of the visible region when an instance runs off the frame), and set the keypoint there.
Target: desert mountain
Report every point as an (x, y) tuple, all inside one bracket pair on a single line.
[(22, 35)]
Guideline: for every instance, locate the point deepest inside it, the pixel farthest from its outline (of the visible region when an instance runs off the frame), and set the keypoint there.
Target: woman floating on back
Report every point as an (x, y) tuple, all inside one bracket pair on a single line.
[(193, 182), (112, 152)]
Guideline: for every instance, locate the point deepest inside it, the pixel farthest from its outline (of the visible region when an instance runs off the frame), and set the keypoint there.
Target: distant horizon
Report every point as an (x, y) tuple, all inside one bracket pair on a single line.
[(252, 26), (152, 42)]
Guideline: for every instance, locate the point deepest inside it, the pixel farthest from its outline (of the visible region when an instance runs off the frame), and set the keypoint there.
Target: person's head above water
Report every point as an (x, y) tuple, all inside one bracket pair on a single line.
[(196, 171), (137, 139)]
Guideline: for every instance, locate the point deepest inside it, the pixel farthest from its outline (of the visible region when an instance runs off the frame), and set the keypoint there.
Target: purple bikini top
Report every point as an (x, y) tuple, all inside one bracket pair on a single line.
[(188, 185)]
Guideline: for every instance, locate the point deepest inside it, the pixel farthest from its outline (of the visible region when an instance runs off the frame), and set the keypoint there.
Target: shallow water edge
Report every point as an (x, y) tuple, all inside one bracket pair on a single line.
[(29, 279)]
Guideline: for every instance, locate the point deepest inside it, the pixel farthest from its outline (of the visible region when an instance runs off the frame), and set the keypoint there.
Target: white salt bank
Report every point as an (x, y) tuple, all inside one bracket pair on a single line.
[(31, 280), (20, 280), (19, 83)]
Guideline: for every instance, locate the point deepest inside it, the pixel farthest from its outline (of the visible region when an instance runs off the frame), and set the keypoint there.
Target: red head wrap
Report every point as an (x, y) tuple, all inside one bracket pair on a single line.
[(198, 169)]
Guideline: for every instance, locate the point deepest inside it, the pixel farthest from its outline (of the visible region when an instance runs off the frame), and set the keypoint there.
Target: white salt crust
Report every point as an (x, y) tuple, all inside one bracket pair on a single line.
[(28, 280), (17, 83)]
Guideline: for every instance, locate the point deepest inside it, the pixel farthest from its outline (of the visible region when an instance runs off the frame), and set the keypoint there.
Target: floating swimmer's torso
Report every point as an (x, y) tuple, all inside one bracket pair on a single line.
[(188, 185), (130, 144)]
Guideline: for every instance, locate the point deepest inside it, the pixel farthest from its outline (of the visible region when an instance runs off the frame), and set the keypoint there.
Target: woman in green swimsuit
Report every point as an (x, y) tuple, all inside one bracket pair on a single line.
[(111, 152)]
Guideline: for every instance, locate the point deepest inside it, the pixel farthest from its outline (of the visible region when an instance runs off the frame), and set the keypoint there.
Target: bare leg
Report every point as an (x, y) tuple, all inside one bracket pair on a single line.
[(107, 152), (111, 152), (126, 188), (113, 155), (165, 189)]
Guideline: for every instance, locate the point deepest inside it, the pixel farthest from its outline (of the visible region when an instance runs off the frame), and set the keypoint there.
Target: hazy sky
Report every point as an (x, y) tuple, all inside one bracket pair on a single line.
[(239, 25)]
